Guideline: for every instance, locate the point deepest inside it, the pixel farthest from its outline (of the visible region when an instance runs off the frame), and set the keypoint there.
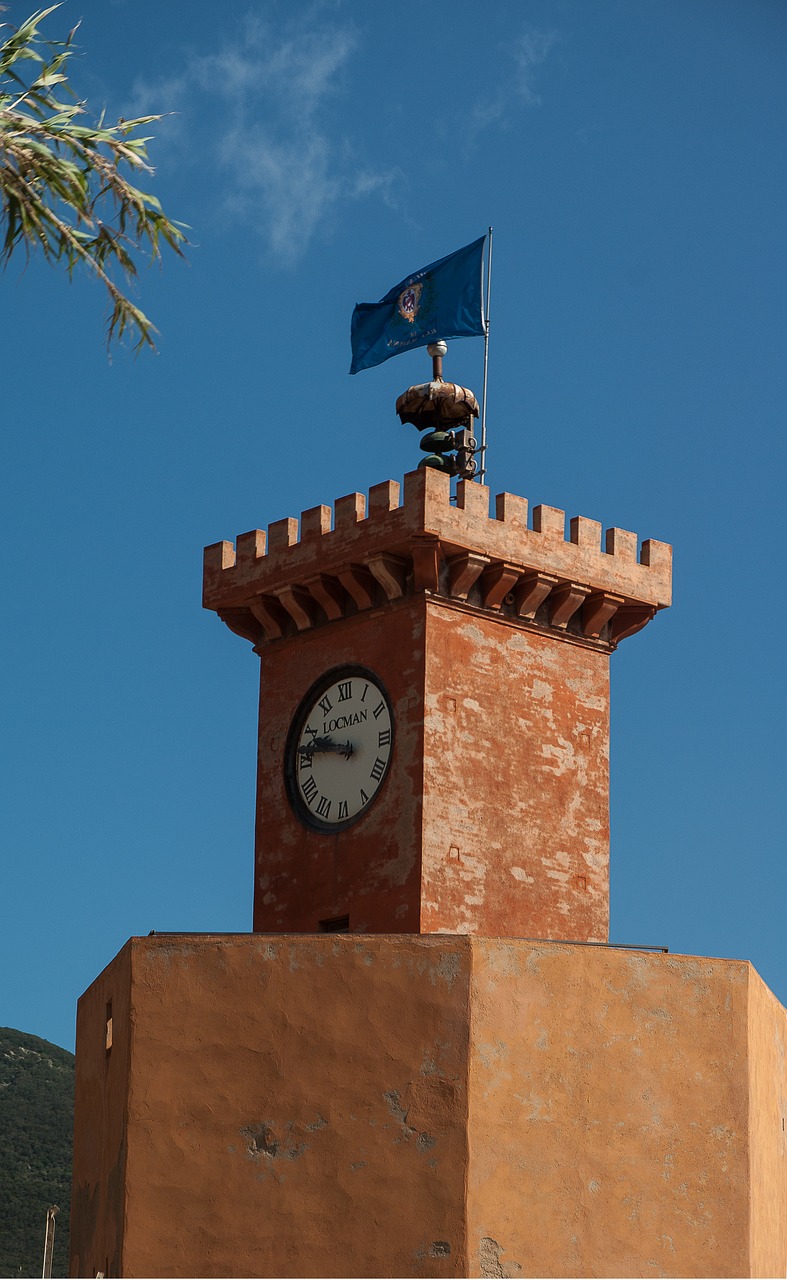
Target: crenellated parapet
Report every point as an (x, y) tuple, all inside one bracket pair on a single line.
[(360, 555)]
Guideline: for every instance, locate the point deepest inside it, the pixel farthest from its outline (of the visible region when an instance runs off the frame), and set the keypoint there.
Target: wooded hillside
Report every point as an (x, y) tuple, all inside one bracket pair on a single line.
[(36, 1132)]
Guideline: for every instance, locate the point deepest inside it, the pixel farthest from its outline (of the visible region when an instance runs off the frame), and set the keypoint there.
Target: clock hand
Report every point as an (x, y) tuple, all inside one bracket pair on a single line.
[(325, 745)]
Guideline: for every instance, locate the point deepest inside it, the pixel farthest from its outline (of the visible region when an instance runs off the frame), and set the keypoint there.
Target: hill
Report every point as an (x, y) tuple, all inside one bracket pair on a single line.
[(36, 1128)]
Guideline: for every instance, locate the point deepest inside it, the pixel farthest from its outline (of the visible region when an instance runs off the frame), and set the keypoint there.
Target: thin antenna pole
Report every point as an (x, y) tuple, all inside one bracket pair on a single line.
[(486, 354), (49, 1241)]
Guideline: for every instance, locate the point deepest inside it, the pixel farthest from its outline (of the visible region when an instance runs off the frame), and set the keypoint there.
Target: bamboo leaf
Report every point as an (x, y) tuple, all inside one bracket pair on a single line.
[(61, 186)]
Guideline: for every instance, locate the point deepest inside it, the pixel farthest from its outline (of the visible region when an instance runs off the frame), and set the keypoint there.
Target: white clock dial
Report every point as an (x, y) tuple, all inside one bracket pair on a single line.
[(339, 748)]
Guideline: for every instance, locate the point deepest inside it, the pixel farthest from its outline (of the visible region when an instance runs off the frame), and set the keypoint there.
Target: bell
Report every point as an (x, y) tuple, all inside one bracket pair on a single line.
[(438, 462), (438, 442)]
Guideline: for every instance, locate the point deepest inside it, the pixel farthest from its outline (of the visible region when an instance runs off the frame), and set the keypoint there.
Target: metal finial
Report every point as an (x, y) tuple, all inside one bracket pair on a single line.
[(437, 350), (436, 406)]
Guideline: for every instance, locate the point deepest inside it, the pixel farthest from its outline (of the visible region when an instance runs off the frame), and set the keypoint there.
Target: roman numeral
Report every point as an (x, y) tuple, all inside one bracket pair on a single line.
[(345, 690), (305, 759), (379, 709), (365, 691), (378, 768), (311, 732), (384, 738), (309, 789), (343, 809), (324, 807), (325, 705), (364, 797)]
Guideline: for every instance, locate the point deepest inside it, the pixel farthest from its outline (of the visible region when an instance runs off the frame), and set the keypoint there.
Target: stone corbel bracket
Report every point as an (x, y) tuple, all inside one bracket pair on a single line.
[(357, 556)]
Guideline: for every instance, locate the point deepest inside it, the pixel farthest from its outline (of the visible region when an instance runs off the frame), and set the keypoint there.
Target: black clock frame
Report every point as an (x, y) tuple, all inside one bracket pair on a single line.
[(306, 704)]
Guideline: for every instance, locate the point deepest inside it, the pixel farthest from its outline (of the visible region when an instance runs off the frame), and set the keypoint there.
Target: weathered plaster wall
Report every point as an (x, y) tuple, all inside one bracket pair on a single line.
[(98, 1200), (516, 614), (428, 1106), (297, 1107), (516, 781), (370, 870), (608, 1113), (768, 1122), (494, 815)]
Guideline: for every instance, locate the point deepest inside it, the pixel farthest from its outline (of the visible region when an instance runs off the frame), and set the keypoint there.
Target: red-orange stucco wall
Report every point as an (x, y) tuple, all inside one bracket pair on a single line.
[(494, 816), (99, 1197), (609, 1125), (370, 871), (296, 1107), (516, 787), (428, 1106)]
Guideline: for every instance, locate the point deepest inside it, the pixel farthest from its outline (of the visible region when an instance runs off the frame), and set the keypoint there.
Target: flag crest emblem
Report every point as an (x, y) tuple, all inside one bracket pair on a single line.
[(409, 302)]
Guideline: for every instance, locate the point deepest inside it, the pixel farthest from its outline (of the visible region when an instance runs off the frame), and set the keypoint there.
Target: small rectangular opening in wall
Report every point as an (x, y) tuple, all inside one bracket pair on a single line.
[(337, 924), (108, 1031)]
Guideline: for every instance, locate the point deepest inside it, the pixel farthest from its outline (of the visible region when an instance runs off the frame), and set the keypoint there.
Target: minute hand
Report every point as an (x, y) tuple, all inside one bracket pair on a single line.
[(320, 746)]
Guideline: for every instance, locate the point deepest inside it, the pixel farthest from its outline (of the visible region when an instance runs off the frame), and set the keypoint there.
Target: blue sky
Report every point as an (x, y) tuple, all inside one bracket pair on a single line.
[(630, 156)]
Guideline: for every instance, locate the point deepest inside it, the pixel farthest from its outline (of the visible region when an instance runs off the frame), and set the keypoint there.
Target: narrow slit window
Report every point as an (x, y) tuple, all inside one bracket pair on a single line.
[(337, 924), (108, 1032)]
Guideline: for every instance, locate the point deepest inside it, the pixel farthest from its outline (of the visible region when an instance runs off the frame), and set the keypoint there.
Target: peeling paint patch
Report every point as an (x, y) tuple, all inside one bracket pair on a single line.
[(490, 1262), (423, 1141), (395, 1106), (560, 876), (262, 1142), (447, 967), (439, 1249), (491, 1054), (542, 691), (535, 1108)]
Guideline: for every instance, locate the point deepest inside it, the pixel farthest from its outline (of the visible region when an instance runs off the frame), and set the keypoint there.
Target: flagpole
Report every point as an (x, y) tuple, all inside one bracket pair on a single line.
[(482, 471)]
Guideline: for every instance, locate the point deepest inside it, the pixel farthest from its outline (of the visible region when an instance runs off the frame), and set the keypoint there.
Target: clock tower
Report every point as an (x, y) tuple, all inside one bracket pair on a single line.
[(434, 709), (427, 1059)]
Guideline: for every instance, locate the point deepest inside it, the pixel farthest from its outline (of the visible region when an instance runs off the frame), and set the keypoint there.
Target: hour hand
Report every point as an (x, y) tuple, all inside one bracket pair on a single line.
[(318, 746)]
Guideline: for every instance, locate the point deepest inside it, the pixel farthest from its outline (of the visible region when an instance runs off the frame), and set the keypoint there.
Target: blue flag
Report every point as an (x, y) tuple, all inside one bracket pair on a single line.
[(443, 300)]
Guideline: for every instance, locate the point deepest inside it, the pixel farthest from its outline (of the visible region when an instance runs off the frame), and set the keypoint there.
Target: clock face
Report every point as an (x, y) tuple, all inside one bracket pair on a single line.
[(339, 748)]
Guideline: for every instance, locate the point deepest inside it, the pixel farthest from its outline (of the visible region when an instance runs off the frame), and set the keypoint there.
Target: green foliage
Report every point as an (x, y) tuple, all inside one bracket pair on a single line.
[(61, 188), (36, 1128)]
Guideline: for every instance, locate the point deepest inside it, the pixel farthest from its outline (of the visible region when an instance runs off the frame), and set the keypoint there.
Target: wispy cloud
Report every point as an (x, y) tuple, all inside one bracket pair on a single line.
[(259, 110), (529, 51), (518, 80)]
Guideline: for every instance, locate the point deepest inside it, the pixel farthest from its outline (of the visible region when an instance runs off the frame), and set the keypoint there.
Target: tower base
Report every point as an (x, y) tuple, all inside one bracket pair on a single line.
[(427, 1105)]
